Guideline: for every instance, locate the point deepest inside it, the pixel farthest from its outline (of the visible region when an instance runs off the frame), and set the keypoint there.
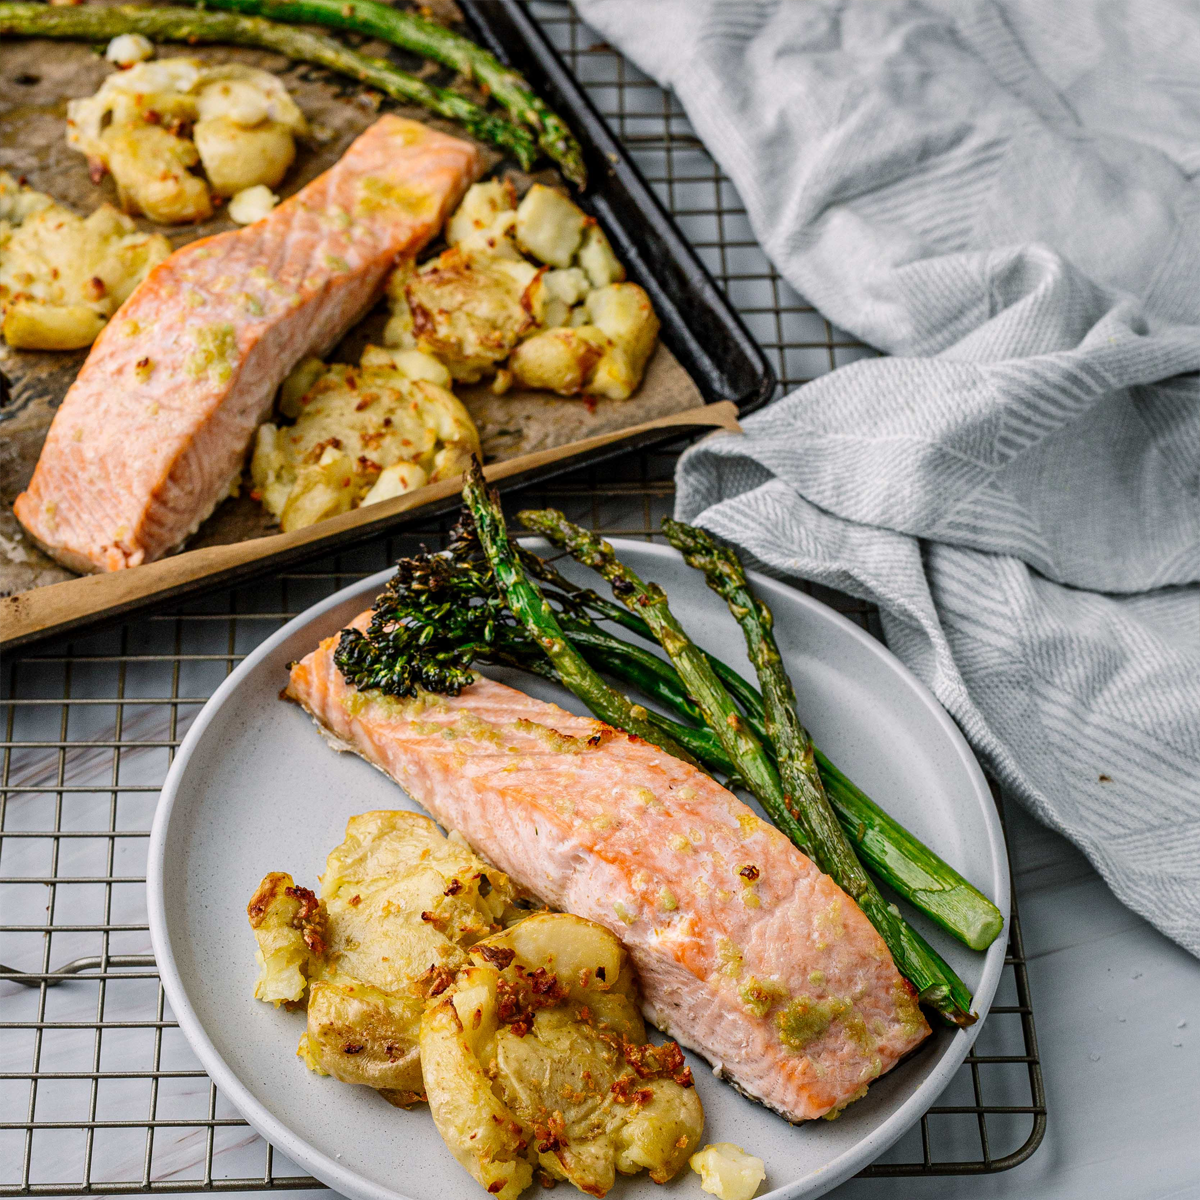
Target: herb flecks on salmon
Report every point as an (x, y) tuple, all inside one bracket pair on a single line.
[(136, 459), (743, 967)]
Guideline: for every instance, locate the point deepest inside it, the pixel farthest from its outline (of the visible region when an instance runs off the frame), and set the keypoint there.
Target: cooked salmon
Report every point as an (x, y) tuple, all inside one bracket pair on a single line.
[(747, 952), (152, 434)]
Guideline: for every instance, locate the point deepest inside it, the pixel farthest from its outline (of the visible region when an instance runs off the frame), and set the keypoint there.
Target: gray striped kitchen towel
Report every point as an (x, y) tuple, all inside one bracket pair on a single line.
[(1005, 198)]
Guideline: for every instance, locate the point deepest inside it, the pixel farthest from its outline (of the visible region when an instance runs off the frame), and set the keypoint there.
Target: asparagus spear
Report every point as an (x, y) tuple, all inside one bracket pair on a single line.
[(531, 608), (97, 24), (936, 982), (906, 864), (795, 752), (738, 740), (793, 746), (411, 32)]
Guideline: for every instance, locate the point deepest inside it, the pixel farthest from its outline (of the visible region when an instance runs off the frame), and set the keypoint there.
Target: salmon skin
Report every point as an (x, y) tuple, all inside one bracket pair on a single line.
[(746, 951), (153, 433)]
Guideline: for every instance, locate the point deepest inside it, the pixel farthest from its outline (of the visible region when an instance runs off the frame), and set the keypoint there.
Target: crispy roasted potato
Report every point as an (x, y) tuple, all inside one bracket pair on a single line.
[(246, 128), (537, 1058), (470, 310), (596, 257), (289, 927), (560, 360), (151, 167), (63, 276), (366, 1035), (623, 313), (575, 328), (727, 1171), (236, 158), (481, 308), (604, 355), (482, 220), (151, 124), (400, 905), (361, 434), (549, 226)]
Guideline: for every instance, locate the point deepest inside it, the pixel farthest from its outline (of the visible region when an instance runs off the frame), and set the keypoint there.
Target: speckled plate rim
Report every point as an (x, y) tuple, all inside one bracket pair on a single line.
[(340, 1176)]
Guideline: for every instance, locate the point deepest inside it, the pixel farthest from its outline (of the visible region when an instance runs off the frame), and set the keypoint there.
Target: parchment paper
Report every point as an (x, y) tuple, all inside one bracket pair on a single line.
[(36, 80)]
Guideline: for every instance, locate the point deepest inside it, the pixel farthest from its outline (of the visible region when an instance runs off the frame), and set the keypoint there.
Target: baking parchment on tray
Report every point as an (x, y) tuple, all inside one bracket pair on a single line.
[(525, 434)]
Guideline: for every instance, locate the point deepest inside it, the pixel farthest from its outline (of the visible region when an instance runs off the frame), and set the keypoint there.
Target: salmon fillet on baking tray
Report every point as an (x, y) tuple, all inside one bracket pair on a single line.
[(152, 434), (747, 953)]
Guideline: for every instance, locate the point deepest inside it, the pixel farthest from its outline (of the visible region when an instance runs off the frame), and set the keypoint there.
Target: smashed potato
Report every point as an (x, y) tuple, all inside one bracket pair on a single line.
[(531, 291), (470, 310), (361, 435), (400, 904), (63, 276), (727, 1171), (289, 927), (426, 976), (537, 1059), (151, 124)]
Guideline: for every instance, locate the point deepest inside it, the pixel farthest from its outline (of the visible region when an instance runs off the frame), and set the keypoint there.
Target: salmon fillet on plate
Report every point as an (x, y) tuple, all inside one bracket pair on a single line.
[(746, 951), (153, 433)]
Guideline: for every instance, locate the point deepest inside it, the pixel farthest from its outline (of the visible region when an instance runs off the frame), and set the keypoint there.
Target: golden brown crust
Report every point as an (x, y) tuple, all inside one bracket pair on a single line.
[(271, 887)]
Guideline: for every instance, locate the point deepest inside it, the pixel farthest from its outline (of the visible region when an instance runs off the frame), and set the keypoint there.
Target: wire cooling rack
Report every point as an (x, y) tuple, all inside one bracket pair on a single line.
[(99, 1092)]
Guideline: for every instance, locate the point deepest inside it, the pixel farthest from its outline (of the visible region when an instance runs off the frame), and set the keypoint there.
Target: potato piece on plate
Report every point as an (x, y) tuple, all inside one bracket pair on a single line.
[(549, 1015), (289, 927), (727, 1171), (365, 1035), (400, 906)]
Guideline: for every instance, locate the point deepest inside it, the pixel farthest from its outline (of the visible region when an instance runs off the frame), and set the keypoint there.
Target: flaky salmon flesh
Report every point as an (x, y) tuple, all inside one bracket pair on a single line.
[(153, 433), (747, 952)]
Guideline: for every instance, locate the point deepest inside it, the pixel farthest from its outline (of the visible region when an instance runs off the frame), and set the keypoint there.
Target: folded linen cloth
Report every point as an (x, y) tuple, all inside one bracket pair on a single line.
[(1004, 197)]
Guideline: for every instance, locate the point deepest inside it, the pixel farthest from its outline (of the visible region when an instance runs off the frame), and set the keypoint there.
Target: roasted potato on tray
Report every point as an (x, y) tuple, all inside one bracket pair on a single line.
[(531, 291), (62, 276), (151, 124), (361, 434)]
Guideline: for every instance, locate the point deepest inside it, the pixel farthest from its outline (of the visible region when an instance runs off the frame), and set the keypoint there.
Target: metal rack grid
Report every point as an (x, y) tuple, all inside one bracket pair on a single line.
[(98, 1090)]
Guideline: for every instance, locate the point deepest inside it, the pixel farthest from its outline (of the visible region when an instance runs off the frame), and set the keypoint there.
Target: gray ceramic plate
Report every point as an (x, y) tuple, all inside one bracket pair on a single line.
[(254, 789)]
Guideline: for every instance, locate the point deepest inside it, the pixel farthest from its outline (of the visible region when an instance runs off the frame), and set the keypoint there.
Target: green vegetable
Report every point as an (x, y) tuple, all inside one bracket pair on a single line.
[(814, 829), (430, 40), (98, 24), (740, 743), (441, 613), (794, 756), (530, 607)]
